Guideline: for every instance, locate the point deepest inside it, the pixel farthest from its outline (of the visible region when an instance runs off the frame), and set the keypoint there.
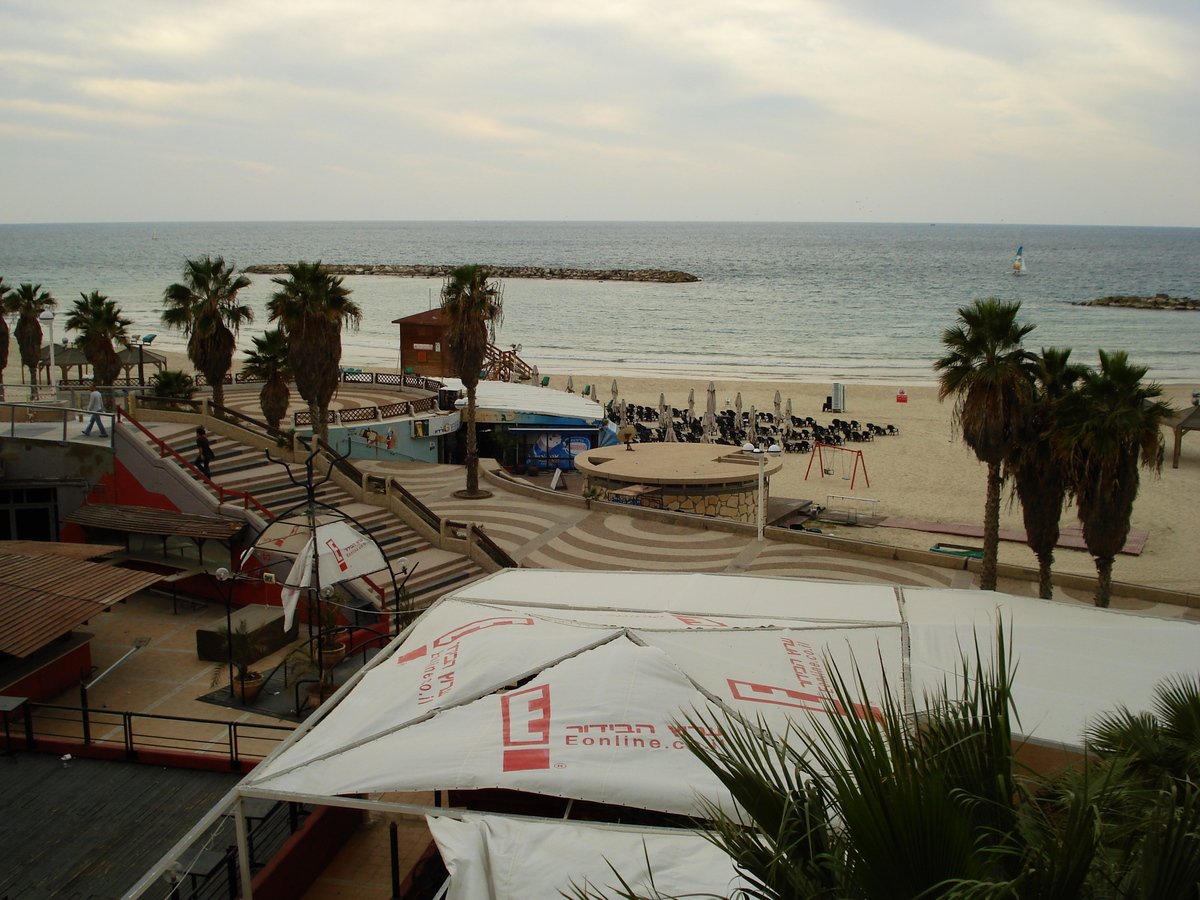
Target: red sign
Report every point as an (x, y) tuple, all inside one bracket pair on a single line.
[(901, 397), (526, 721)]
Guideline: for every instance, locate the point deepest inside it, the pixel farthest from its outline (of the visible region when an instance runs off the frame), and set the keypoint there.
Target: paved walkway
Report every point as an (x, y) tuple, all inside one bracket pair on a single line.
[(541, 532)]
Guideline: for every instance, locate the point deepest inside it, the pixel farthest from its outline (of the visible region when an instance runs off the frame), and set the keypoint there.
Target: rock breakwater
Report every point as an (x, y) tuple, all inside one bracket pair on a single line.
[(1158, 301), (665, 276)]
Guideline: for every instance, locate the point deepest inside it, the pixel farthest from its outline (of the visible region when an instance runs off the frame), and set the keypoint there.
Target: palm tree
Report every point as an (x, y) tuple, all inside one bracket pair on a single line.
[(29, 301), (99, 322), (990, 376), (1039, 473), (1161, 746), (1110, 427), (891, 807), (6, 307), (473, 308), (311, 308), (205, 306), (269, 361)]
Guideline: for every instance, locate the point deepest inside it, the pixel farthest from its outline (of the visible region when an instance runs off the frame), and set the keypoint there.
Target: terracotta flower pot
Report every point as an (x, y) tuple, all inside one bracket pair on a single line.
[(332, 654), (247, 689)]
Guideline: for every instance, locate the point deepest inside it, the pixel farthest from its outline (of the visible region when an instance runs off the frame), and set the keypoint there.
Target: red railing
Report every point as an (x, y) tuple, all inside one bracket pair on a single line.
[(166, 450)]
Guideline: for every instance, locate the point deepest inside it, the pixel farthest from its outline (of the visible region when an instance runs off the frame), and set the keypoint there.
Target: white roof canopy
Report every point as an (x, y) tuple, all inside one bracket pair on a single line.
[(573, 684), (508, 396)]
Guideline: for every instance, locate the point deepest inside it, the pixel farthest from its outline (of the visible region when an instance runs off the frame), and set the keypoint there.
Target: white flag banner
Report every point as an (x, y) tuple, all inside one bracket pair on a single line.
[(298, 580), (489, 857)]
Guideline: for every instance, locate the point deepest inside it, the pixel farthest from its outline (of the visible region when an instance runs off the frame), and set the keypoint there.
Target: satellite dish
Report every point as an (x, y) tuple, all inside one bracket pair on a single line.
[(626, 435)]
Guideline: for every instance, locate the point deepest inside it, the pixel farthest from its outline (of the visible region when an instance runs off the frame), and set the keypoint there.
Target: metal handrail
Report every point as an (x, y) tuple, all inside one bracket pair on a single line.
[(498, 554), (166, 450), (249, 420), (412, 502), (133, 741)]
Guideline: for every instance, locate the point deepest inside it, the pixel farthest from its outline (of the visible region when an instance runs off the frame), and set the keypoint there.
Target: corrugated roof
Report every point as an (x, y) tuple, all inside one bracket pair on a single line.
[(428, 317), (58, 548), (142, 520), (44, 597), (524, 398)]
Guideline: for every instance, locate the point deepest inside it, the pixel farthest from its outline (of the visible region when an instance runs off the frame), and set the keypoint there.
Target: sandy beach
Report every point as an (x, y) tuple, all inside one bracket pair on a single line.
[(925, 472)]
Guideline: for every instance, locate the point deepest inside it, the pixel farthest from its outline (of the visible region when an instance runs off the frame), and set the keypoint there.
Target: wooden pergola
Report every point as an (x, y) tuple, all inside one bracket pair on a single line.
[(103, 519), (1184, 420)]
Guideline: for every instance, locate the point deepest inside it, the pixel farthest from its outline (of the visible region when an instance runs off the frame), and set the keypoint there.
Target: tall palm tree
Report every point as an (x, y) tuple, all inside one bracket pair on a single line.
[(269, 361), (6, 308), (1039, 473), (990, 376), (473, 308), (29, 301), (311, 307), (1110, 428), (99, 323), (205, 306)]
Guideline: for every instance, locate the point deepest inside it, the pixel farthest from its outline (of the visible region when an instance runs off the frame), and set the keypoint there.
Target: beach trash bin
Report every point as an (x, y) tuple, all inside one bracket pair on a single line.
[(446, 398)]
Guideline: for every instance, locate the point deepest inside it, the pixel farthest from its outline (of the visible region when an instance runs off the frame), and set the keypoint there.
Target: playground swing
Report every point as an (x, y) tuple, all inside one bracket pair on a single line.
[(846, 463)]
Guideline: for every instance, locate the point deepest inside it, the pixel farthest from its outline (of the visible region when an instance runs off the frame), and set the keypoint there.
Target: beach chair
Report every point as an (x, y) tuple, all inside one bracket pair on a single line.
[(545, 381)]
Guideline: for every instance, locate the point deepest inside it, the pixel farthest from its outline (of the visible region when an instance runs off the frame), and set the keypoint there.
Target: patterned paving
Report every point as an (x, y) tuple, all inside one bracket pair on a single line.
[(540, 532)]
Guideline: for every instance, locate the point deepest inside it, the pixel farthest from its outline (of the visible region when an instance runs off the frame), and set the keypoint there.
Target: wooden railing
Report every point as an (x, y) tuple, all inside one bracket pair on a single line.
[(502, 364)]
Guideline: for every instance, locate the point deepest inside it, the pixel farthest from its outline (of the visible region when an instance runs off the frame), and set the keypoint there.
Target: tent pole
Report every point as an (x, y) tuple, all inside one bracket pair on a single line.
[(243, 849)]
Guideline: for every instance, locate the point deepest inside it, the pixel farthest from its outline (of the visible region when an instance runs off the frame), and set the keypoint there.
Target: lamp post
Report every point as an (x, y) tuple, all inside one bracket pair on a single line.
[(47, 318), (224, 576), (761, 455)]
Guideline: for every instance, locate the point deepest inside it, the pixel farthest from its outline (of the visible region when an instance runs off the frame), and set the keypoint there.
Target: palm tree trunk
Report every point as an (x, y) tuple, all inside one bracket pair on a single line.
[(1045, 587), (1104, 566), (472, 446), (991, 528), (218, 389), (318, 419)]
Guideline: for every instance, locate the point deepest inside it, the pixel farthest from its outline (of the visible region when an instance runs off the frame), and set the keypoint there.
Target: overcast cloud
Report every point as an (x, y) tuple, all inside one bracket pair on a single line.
[(1081, 112)]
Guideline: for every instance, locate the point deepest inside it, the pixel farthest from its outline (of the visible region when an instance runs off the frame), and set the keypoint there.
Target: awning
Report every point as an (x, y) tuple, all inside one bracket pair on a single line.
[(143, 520), (43, 597)]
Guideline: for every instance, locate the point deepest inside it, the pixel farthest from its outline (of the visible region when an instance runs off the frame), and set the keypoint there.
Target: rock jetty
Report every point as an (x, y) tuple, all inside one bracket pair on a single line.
[(659, 275), (1158, 301)]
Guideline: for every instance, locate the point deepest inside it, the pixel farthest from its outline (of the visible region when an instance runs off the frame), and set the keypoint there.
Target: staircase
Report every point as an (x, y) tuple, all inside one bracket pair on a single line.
[(239, 467)]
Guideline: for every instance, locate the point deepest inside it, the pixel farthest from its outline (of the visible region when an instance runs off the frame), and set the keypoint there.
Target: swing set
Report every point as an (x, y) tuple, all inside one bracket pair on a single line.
[(834, 460)]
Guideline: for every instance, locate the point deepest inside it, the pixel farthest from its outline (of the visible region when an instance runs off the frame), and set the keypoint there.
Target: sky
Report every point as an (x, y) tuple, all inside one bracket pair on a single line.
[(1024, 111)]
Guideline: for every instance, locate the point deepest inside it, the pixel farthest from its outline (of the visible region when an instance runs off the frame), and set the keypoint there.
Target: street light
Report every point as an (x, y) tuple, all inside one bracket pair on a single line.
[(47, 318), (224, 576), (774, 450)]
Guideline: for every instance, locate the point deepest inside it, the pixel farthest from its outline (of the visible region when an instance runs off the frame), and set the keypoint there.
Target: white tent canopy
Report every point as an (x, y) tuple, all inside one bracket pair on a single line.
[(492, 856), (574, 684)]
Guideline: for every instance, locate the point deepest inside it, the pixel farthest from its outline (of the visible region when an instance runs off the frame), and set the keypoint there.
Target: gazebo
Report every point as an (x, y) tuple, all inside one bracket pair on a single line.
[(68, 356)]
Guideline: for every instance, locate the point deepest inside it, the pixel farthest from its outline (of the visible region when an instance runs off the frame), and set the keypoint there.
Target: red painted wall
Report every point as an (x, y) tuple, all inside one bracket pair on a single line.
[(55, 677), (302, 859)]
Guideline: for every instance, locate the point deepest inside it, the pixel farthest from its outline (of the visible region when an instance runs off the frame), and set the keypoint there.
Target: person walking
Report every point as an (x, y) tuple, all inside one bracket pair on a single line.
[(206, 452), (95, 407)]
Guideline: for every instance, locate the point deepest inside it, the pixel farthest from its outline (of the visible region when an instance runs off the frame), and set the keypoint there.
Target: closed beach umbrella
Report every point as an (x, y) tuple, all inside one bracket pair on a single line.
[(570, 385), (737, 408), (664, 415), (537, 379), (787, 418), (691, 404), (752, 428), (614, 390), (710, 414), (778, 407)]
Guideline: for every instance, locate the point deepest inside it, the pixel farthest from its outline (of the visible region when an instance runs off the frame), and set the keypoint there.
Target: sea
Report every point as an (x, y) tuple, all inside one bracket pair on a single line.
[(811, 302)]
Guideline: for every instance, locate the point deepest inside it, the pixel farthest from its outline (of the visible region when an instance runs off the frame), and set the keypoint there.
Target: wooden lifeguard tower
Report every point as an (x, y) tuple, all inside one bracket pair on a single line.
[(423, 351)]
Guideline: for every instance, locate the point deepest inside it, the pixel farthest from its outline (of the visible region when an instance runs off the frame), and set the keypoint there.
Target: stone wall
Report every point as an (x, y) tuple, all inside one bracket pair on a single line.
[(739, 504)]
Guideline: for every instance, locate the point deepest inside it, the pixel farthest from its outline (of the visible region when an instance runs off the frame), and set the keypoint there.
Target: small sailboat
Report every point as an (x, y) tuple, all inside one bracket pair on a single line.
[(1018, 267)]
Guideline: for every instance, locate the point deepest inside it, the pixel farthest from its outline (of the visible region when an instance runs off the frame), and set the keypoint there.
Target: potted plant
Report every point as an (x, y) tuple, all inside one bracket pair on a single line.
[(244, 648), (321, 653)]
